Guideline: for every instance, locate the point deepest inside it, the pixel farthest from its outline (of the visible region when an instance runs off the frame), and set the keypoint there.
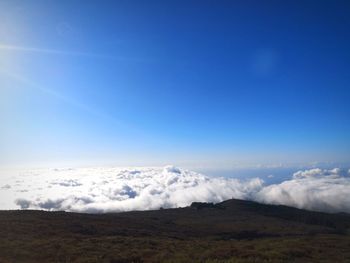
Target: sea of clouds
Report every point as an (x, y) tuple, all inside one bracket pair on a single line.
[(96, 190)]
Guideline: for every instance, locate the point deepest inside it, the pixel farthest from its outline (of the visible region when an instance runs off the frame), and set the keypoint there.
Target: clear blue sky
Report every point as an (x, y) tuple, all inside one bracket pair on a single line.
[(192, 83)]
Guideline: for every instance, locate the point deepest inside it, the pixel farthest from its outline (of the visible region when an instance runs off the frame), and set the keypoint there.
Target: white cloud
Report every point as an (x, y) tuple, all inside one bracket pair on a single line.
[(67, 183), (314, 189), (23, 203), (125, 189), (121, 189), (6, 186), (319, 172)]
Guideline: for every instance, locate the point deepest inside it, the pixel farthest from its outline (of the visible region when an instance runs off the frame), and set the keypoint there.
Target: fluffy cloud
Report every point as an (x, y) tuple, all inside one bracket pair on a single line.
[(316, 189), (122, 189), (6, 186), (125, 189), (336, 172)]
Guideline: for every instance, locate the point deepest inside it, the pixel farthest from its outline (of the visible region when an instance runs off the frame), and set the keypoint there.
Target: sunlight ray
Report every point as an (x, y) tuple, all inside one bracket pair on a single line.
[(57, 52), (76, 104)]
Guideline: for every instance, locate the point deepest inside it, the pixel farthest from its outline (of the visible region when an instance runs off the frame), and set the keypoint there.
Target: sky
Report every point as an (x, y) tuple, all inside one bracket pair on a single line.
[(206, 84)]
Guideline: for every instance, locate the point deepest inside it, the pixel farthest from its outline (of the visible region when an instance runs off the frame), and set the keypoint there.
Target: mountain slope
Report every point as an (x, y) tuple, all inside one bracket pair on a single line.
[(232, 230)]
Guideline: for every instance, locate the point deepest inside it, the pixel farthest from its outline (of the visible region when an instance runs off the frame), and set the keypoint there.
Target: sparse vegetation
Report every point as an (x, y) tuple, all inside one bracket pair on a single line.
[(232, 231)]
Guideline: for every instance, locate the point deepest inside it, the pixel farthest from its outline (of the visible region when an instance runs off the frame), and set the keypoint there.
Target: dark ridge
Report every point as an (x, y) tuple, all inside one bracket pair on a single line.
[(339, 221), (234, 230)]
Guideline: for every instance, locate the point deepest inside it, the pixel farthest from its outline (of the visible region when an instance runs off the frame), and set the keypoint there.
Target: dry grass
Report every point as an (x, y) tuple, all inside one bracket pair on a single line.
[(234, 231)]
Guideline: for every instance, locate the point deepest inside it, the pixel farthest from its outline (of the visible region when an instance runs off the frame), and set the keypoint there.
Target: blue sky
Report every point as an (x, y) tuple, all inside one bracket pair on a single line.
[(191, 83)]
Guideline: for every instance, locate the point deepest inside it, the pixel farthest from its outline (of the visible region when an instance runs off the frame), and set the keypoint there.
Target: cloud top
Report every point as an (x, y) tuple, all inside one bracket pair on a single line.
[(124, 189), (336, 172), (315, 189)]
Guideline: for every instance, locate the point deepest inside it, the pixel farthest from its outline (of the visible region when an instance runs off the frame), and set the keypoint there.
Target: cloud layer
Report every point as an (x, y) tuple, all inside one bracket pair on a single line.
[(125, 189), (314, 189)]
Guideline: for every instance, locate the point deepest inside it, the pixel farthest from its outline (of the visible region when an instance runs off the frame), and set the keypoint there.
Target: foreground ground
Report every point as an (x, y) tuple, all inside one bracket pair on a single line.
[(232, 231)]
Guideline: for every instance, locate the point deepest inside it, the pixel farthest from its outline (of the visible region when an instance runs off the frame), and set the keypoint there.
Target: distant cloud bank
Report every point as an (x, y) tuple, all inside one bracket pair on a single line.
[(97, 190), (314, 189)]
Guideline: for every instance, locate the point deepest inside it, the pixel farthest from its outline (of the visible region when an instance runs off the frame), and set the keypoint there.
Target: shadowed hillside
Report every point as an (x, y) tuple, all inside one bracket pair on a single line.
[(231, 231)]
